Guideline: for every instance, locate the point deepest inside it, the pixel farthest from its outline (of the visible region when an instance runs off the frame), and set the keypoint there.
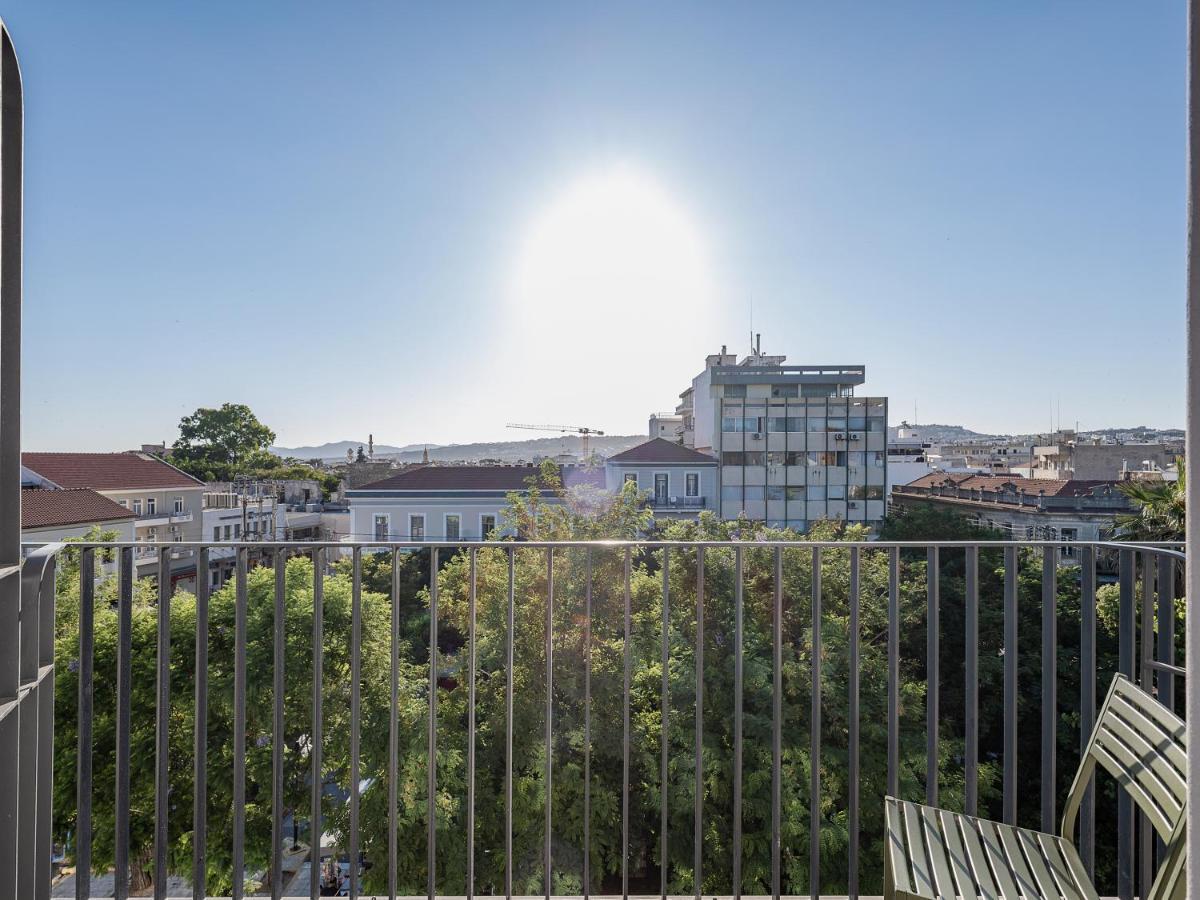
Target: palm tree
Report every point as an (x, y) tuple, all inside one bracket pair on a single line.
[(1161, 510)]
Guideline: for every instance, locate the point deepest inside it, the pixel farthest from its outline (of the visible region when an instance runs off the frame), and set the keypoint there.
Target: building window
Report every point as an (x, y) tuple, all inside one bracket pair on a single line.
[(735, 390), (453, 526), (137, 507), (151, 504), (228, 532), (217, 533), (691, 484), (237, 531), (631, 478), (124, 504), (731, 492), (381, 527), (1069, 534), (487, 524), (178, 505), (152, 534), (785, 390), (416, 528)]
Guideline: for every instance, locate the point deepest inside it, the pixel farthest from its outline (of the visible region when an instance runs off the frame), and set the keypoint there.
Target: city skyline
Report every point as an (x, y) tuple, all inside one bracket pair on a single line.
[(368, 232)]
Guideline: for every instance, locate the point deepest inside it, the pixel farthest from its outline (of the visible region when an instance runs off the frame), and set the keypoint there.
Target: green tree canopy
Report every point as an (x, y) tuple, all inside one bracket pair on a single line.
[(1161, 513), (215, 441)]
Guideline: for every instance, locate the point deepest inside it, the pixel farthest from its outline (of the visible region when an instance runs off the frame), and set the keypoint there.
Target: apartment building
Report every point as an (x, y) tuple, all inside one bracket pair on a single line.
[(49, 515), (680, 482), (166, 504), (668, 426), (1064, 510), (1065, 455), (446, 503), (987, 456), (793, 443)]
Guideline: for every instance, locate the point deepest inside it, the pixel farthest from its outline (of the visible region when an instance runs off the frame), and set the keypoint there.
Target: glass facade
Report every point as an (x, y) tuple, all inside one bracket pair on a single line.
[(797, 457)]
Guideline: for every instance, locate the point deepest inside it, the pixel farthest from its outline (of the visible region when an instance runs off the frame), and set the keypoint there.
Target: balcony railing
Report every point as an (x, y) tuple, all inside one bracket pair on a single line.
[(162, 517), (574, 675), (676, 502)]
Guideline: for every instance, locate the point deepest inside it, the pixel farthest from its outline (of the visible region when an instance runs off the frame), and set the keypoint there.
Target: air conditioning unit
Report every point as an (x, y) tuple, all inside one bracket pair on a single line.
[(839, 436), (855, 436), (756, 436), (853, 504)]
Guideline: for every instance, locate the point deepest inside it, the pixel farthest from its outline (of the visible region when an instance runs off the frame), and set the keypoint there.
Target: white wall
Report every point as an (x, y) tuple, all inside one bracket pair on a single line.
[(398, 510), (124, 531)]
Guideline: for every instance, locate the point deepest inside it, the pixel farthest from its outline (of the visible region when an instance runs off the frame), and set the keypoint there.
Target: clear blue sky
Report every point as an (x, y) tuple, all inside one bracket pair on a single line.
[(318, 210)]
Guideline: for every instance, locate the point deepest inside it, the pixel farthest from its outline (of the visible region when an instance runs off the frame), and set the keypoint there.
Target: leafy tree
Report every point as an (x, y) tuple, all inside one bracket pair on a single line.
[(597, 573), (297, 705), (213, 441), (1161, 509)]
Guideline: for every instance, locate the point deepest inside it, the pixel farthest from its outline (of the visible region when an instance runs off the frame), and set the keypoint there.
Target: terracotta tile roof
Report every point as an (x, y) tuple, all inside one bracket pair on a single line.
[(108, 471), (1051, 487), (45, 509), (660, 450), (470, 478)]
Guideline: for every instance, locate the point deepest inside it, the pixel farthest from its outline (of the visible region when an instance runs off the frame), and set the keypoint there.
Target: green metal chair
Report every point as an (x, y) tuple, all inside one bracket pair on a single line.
[(933, 853)]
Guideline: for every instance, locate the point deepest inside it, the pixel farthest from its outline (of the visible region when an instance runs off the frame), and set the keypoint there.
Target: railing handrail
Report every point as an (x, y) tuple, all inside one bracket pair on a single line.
[(1150, 546), (1152, 564)]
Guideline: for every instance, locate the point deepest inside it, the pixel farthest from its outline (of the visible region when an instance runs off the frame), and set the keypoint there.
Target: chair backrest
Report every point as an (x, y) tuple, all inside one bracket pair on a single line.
[(1143, 745)]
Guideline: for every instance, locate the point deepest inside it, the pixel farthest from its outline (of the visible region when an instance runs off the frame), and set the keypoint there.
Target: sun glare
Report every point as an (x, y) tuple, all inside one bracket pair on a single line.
[(616, 248)]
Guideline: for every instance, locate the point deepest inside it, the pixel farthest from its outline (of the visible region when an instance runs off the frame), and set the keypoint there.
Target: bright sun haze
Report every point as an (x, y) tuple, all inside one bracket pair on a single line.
[(613, 267)]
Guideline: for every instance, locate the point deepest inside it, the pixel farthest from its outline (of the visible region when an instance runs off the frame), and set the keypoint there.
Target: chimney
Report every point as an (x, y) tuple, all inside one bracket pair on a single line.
[(758, 344)]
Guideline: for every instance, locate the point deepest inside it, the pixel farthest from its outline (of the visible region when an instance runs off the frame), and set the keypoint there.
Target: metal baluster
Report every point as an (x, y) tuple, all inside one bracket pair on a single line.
[(162, 711), (853, 800), (317, 776), (200, 732), (239, 729), (665, 706), (83, 763), (1166, 629), (1145, 832), (1010, 685), (814, 795), (587, 732), (893, 687), (508, 726), (549, 877), (698, 812), (776, 723), (1087, 702), (472, 560), (394, 732), (1125, 664), (124, 674), (1166, 645), (355, 715), (280, 561), (625, 733), (431, 789), (738, 613), (1049, 685), (933, 674), (971, 741)]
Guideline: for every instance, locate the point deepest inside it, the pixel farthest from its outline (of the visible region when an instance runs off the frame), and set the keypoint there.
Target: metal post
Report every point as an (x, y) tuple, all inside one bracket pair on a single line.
[(1192, 457)]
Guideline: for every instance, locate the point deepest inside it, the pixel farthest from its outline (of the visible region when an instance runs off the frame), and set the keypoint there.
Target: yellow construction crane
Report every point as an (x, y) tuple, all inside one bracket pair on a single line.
[(581, 430)]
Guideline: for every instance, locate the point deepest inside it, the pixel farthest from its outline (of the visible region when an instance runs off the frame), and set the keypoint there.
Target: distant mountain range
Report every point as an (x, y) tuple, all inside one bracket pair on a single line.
[(503, 451), (608, 445), (939, 434)]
